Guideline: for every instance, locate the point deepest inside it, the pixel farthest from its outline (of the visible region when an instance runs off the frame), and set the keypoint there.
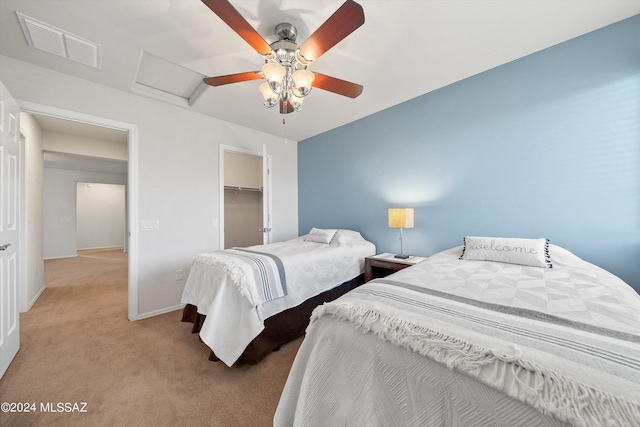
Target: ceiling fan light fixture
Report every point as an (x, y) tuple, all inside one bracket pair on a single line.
[(274, 73), (270, 97), (285, 83), (302, 80)]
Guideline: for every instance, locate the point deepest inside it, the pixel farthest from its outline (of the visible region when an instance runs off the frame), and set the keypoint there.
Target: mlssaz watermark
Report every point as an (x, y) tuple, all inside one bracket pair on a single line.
[(43, 407)]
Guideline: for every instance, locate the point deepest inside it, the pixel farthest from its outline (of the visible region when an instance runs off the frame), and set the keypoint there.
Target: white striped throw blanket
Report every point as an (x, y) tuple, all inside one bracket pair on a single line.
[(259, 276), (573, 370)]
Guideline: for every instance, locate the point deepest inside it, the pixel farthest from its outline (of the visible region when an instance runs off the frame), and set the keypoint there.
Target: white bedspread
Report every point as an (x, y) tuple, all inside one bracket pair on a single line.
[(563, 342), (235, 318), (259, 277)]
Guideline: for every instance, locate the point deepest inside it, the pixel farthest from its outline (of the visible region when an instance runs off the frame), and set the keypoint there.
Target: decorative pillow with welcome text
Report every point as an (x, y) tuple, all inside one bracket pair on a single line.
[(532, 252), (320, 236)]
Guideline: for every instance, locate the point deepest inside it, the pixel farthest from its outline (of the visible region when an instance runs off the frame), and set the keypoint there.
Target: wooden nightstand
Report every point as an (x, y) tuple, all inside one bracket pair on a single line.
[(382, 265)]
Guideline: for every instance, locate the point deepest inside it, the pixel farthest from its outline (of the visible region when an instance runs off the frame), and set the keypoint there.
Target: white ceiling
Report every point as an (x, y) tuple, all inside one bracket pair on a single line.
[(403, 50)]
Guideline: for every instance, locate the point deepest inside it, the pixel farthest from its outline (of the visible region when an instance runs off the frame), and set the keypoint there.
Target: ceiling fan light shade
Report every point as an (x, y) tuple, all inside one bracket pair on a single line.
[(301, 59), (274, 73), (270, 97), (296, 102), (302, 79)]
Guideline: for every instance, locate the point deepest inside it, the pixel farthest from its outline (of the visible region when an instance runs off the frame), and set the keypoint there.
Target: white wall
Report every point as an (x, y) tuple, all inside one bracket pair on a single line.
[(177, 172), (242, 218), (100, 215), (242, 170), (60, 186), (33, 210), (74, 144)]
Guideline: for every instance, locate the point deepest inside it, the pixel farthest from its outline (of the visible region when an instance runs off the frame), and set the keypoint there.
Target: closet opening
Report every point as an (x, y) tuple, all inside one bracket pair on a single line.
[(245, 182)]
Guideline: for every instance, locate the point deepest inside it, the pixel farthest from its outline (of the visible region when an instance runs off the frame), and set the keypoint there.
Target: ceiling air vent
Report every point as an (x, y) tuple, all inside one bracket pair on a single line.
[(59, 42)]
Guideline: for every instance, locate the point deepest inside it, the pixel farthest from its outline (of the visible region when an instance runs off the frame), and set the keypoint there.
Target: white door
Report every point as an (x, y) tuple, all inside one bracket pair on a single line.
[(9, 184)]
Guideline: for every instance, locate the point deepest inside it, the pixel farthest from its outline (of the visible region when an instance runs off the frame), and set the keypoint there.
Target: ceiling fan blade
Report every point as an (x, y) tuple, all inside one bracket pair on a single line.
[(236, 21), (232, 78), (341, 87), (343, 22), (285, 107)]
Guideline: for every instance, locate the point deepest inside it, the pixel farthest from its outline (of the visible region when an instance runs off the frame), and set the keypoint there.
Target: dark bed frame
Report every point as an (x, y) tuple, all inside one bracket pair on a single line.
[(280, 328)]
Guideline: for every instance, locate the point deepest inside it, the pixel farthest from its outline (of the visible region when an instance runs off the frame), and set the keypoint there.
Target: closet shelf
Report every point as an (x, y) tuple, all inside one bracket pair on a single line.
[(226, 187)]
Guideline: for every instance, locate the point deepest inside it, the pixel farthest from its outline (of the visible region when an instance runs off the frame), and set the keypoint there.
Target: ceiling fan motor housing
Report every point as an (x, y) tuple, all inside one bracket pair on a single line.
[(285, 49), (286, 31)]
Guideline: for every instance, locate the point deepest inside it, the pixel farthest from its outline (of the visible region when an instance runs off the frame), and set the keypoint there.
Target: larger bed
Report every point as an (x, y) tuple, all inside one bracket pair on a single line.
[(245, 302), (470, 342)]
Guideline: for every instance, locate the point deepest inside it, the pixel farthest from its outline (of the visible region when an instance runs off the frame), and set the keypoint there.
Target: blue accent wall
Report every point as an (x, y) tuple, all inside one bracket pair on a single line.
[(544, 146)]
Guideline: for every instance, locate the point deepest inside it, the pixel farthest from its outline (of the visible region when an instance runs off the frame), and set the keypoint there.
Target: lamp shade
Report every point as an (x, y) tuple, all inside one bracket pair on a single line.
[(274, 73), (270, 97), (303, 79), (401, 218), (296, 102)]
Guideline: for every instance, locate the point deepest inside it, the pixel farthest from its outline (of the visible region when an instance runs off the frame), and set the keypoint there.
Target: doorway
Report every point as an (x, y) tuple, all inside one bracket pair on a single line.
[(131, 167), (245, 181), (243, 196)]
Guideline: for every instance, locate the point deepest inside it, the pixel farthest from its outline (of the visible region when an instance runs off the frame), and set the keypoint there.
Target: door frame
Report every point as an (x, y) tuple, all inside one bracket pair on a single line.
[(132, 184), (266, 192)]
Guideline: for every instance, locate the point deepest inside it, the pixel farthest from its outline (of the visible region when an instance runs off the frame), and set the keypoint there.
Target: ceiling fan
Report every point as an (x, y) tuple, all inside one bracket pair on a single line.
[(285, 68)]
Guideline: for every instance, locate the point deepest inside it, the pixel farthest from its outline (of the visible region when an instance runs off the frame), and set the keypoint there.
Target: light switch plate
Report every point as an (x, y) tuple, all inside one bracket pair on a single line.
[(150, 225)]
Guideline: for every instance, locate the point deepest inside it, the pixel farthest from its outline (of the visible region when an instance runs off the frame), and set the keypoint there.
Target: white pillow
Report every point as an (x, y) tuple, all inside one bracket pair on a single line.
[(532, 252), (347, 237), (321, 236)]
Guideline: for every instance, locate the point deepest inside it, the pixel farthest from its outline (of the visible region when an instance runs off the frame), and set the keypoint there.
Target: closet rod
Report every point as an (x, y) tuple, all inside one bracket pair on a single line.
[(242, 188)]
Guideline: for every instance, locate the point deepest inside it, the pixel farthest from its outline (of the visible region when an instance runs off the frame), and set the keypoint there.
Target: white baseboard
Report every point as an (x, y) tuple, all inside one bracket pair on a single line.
[(85, 249), (102, 247), (61, 257), (35, 298), (158, 312)]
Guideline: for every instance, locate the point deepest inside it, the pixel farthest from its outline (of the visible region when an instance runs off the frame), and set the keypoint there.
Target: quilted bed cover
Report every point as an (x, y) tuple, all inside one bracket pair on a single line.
[(472, 343), (235, 314)]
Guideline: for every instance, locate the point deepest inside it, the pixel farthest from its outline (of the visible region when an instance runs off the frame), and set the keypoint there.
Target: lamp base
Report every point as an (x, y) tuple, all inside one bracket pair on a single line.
[(400, 256)]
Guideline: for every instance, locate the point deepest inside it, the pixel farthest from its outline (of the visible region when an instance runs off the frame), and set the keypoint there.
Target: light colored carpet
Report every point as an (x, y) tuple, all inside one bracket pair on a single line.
[(78, 346)]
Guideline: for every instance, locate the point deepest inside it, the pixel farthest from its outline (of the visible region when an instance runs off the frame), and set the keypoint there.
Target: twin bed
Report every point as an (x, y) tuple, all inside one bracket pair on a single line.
[(246, 302), (478, 341), (495, 332)]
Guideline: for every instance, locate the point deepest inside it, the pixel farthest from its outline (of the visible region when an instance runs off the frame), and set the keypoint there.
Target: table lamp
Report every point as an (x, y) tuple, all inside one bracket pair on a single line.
[(401, 218)]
